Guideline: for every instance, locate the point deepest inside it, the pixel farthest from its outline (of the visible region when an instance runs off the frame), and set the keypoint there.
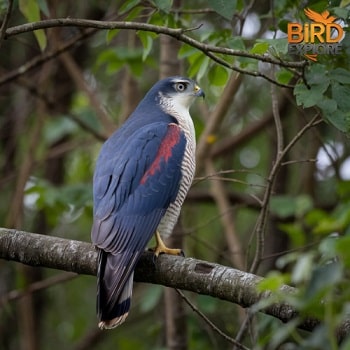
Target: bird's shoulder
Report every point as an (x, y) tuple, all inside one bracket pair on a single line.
[(126, 163)]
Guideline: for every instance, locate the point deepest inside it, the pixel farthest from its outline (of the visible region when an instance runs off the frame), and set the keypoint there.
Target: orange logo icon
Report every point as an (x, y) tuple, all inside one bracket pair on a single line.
[(321, 36)]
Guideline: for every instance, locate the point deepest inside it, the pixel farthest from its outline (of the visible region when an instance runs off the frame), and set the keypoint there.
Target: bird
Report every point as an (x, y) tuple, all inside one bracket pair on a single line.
[(142, 175)]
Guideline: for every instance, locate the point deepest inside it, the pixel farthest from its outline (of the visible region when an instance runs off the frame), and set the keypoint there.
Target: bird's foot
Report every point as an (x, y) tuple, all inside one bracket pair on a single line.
[(161, 248)]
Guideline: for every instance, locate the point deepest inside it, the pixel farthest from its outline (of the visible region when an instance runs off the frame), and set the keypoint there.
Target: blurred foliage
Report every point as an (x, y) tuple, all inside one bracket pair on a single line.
[(310, 214)]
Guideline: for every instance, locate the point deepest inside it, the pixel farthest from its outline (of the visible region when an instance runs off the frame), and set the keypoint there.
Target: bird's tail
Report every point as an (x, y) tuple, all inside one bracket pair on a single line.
[(113, 301)]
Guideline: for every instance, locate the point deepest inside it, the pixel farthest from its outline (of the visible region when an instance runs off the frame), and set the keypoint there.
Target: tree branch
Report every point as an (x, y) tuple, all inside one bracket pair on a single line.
[(189, 274), (178, 33), (44, 57)]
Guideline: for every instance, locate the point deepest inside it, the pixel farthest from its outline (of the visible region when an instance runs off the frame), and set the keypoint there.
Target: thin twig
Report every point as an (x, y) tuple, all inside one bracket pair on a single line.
[(33, 89), (237, 69), (43, 57), (262, 219), (312, 160), (86, 127), (244, 326), (211, 324), (36, 287)]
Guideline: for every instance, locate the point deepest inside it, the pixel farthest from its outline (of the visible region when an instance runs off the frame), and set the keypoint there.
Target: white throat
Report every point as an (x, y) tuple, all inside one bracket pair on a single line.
[(178, 107)]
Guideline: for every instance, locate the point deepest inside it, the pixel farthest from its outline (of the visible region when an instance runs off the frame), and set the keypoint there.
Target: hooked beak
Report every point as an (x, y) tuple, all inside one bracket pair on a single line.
[(198, 92)]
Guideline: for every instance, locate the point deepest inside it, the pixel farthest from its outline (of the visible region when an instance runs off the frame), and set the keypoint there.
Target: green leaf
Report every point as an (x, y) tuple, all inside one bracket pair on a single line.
[(341, 12), (133, 13), (340, 75), (342, 246), (323, 277), (318, 75), (196, 64), (309, 97), (225, 8), (203, 69), (333, 114), (303, 204), (236, 43), (114, 59), (31, 11), (340, 119), (280, 337), (164, 5), (341, 93), (272, 282), (158, 19), (43, 7), (278, 46), (147, 40), (302, 269), (218, 75), (295, 232), (260, 48), (136, 67), (127, 6), (111, 34), (186, 51), (284, 76), (328, 106), (314, 216), (59, 203), (324, 223), (343, 189), (327, 249), (109, 58), (283, 25), (328, 225), (285, 206), (56, 128)]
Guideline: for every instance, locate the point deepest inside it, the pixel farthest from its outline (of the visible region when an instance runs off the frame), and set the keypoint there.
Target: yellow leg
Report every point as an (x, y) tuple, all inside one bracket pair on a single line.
[(161, 248)]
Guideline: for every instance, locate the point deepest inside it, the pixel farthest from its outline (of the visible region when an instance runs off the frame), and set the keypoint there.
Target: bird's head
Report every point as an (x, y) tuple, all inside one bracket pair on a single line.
[(177, 92)]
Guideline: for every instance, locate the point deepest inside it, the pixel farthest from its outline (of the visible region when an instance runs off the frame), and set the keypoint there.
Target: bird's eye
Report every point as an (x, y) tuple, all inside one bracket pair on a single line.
[(180, 87)]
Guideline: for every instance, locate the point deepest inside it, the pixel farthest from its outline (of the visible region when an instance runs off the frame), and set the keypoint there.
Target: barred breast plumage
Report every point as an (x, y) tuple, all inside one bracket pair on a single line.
[(188, 164)]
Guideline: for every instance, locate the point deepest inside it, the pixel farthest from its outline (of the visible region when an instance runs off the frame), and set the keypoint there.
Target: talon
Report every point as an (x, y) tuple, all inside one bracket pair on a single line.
[(161, 248)]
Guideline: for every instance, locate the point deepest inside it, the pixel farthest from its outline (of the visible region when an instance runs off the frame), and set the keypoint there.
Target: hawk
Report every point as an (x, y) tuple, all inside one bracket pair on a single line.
[(142, 175)]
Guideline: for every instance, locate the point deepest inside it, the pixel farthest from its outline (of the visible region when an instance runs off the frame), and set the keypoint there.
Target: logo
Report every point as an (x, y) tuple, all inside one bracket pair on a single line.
[(319, 37)]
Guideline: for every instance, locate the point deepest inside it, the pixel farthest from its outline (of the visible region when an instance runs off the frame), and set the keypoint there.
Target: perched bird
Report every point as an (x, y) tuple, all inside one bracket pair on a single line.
[(142, 175)]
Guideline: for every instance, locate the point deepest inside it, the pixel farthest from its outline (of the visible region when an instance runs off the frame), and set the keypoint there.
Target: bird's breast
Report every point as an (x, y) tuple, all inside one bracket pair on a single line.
[(188, 166)]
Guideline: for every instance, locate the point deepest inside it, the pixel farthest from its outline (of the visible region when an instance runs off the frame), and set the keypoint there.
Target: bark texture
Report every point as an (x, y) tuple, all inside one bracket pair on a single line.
[(189, 274)]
